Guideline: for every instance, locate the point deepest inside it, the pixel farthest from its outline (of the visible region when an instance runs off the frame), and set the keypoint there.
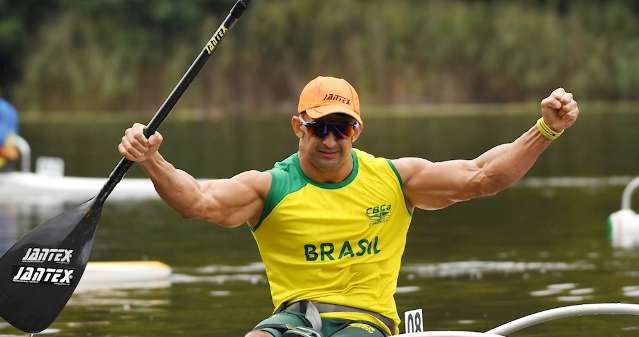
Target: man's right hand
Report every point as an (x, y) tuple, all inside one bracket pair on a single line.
[(134, 145)]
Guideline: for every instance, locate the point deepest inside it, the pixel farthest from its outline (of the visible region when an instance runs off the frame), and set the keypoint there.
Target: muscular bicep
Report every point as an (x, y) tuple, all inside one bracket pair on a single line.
[(234, 201), (435, 185)]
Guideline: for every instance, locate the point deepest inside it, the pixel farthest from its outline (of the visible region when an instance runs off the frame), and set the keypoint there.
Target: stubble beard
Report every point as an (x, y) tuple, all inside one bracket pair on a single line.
[(327, 165)]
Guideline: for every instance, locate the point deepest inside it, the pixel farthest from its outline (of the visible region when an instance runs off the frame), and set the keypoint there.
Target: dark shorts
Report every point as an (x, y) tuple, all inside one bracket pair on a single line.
[(331, 327)]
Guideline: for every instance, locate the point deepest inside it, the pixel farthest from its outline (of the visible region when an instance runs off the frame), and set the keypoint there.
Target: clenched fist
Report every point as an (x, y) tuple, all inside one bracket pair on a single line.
[(134, 145), (560, 110)]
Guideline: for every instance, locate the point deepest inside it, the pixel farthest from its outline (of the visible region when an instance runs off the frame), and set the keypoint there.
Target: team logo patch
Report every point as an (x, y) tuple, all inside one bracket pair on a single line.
[(378, 214)]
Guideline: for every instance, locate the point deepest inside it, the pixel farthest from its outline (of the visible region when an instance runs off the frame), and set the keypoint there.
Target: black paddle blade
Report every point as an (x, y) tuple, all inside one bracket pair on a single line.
[(39, 273)]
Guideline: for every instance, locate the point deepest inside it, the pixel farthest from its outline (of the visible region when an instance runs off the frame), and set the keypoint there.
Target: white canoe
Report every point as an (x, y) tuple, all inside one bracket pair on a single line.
[(124, 274), (31, 187)]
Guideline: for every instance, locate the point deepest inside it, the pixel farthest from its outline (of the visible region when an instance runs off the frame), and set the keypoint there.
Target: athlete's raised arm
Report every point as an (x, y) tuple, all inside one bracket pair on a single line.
[(226, 202), (434, 185)]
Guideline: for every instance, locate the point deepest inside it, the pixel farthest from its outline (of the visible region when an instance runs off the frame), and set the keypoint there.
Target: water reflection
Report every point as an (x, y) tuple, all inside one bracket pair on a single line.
[(566, 292), (121, 299), (8, 226), (218, 279), (478, 269)]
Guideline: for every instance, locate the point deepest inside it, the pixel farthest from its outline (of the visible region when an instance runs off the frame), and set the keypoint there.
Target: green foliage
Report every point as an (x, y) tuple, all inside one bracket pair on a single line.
[(127, 55), (18, 22)]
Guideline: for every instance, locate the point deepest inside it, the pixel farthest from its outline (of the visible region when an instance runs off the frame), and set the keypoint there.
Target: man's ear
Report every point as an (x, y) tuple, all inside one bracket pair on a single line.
[(296, 125), (358, 132)]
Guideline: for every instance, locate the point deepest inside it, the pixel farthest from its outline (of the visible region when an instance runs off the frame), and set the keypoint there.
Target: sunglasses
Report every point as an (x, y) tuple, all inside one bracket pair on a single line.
[(340, 130)]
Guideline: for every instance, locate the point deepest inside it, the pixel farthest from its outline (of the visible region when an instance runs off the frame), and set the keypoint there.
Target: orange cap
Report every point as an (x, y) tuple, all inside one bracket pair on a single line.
[(326, 95)]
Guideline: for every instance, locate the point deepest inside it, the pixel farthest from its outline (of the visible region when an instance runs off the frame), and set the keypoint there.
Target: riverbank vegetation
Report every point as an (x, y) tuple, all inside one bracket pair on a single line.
[(76, 56)]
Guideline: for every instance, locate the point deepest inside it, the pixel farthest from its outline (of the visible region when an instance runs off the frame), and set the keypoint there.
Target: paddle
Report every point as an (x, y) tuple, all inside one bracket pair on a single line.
[(39, 273)]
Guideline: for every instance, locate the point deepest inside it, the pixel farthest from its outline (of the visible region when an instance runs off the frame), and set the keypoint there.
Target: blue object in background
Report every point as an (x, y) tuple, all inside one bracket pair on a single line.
[(8, 120)]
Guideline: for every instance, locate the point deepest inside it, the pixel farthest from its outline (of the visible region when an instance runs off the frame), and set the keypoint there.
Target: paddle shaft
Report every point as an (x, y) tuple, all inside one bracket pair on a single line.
[(123, 166)]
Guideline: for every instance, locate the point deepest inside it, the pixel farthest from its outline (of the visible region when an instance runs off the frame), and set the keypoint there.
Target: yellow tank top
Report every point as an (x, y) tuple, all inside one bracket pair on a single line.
[(338, 243)]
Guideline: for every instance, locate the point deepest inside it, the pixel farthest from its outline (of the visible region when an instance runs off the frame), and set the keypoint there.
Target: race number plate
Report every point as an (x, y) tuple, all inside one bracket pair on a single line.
[(413, 321)]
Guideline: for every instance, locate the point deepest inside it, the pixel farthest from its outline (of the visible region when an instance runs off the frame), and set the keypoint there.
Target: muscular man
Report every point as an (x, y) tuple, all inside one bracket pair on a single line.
[(330, 220)]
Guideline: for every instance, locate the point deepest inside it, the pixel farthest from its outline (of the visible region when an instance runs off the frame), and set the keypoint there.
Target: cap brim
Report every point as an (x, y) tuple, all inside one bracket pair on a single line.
[(326, 110)]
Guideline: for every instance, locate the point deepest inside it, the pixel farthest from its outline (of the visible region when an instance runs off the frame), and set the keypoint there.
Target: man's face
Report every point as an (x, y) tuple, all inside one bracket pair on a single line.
[(326, 142)]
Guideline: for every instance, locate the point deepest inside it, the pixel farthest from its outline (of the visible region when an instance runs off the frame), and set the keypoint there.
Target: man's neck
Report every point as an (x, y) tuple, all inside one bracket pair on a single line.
[(326, 176)]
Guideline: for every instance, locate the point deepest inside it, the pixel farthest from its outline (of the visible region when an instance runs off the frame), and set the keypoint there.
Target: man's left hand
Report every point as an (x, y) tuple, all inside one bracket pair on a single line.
[(560, 110)]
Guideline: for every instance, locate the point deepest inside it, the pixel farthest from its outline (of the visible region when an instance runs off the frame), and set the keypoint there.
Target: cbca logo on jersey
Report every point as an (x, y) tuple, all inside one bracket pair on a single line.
[(378, 214), (40, 255), (38, 275)]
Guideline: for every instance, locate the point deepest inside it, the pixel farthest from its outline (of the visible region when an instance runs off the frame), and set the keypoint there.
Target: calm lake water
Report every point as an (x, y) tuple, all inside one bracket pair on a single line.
[(472, 266)]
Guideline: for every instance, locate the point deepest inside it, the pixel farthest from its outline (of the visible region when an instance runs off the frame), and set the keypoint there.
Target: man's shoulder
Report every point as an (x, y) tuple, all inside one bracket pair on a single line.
[(287, 164), (287, 175), (368, 156), (259, 180), (366, 159)]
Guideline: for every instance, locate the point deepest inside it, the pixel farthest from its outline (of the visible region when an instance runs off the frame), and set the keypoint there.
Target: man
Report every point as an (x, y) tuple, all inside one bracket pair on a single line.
[(8, 130), (330, 221)]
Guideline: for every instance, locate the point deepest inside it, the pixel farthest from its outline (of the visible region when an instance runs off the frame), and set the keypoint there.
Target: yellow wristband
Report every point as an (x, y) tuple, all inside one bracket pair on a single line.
[(546, 131)]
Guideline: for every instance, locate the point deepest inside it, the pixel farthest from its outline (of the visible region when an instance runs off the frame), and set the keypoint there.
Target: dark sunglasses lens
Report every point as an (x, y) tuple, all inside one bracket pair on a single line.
[(340, 130), (319, 129), (343, 130)]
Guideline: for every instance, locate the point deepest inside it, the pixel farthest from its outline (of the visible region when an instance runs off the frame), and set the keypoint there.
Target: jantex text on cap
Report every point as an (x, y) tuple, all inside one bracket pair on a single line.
[(335, 97)]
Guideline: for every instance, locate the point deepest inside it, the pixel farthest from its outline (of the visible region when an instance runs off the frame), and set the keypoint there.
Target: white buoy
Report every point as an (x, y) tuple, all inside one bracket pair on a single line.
[(623, 225)]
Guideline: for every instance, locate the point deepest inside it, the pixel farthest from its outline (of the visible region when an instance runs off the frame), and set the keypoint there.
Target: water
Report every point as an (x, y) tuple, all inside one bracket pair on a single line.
[(472, 266)]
